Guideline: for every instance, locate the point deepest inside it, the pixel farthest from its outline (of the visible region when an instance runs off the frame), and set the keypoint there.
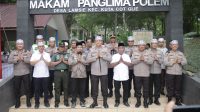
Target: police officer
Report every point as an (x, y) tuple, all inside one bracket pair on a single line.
[(112, 47), (129, 50), (99, 57), (155, 71), (162, 47), (174, 60), (61, 76), (41, 60), (142, 60), (21, 59), (52, 49), (88, 66), (120, 62), (77, 61)]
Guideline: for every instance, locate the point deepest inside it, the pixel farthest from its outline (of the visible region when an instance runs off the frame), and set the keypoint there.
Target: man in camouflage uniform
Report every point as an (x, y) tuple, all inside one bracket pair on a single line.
[(61, 76)]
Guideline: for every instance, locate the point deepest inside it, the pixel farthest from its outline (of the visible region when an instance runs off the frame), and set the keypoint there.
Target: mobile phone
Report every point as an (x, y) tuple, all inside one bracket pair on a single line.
[(191, 108)]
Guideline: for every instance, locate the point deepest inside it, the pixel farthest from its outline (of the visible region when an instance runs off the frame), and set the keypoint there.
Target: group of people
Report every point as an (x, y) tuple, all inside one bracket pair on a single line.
[(70, 71)]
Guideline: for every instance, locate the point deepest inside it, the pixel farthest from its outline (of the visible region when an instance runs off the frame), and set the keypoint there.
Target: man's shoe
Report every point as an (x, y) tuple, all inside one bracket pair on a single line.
[(157, 102), (138, 103), (47, 104), (37, 106), (73, 105), (82, 104), (66, 104), (93, 105), (146, 103), (117, 104), (56, 105), (150, 101), (126, 104), (105, 105)]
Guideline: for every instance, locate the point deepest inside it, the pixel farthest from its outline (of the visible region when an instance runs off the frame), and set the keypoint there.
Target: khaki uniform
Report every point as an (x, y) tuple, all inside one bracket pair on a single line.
[(155, 76), (142, 72), (99, 70), (142, 68), (174, 69), (99, 66), (21, 74), (174, 74), (20, 67)]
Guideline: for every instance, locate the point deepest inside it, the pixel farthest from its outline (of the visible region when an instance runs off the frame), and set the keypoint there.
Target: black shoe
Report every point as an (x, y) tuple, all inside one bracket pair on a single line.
[(82, 104), (73, 105), (105, 105), (117, 104), (126, 104), (47, 104), (150, 101), (56, 105), (93, 105), (37, 106), (157, 102), (110, 94), (146, 103), (66, 104), (138, 103), (28, 104)]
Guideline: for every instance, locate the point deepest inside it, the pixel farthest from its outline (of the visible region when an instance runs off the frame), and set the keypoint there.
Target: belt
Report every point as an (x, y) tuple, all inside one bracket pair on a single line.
[(61, 70)]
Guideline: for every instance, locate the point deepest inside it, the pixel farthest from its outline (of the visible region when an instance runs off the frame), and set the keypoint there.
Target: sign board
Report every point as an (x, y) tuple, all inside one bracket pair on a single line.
[(147, 36), (81, 6)]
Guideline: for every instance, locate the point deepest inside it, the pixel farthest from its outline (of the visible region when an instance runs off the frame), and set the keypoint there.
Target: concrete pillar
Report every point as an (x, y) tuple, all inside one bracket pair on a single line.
[(25, 23), (174, 23)]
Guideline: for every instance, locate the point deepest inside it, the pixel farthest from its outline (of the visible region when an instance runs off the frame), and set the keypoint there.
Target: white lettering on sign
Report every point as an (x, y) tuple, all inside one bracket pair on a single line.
[(49, 4), (151, 2)]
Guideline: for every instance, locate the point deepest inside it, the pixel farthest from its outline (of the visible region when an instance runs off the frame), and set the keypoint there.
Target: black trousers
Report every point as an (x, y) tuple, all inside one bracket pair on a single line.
[(163, 79), (95, 85), (125, 85), (139, 83), (131, 79), (87, 83), (18, 81), (78, 85), (110, 79), (154, 84), (51, 80), (41, 83), (173, 84)]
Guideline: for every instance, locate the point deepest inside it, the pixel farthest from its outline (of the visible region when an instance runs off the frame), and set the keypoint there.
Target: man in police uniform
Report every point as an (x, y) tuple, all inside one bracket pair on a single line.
[(142, 59), (99, 57), (61, 76), (155, 71), (52, 49), (112, 47), (162, 47), (21, 59), (129, 50), (174, 60)]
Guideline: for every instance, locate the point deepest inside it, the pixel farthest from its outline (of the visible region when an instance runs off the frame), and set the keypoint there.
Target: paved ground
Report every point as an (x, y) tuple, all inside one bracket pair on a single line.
[(62, 108)]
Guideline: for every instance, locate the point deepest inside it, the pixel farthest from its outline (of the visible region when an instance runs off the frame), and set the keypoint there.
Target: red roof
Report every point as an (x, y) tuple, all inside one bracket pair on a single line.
[(8, 17)]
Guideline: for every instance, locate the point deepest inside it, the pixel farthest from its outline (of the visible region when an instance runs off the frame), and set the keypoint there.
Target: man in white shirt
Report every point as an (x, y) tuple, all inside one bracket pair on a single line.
[(41, 60), (120, 62)]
